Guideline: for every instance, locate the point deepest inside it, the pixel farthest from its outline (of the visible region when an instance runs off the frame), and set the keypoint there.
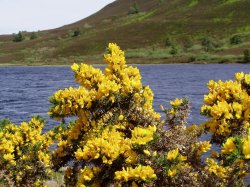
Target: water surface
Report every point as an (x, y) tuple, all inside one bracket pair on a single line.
[(25, 91)]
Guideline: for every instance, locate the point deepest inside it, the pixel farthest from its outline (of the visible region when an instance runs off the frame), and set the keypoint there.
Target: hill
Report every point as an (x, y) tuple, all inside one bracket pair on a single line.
[(163, 30)]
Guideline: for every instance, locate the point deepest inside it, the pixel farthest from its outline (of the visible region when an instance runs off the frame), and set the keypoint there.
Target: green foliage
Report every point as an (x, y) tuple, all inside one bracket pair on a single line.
[(235, 39), (161, 2), (208, 43), (4, 122), (187, 42), (33, 36), (193, 3), (211, 44), (192, 59), (77, 32), (169, 41), (18, 37), (134, 9), (173, 50), (231, 1), (150, 53), (246, 55)]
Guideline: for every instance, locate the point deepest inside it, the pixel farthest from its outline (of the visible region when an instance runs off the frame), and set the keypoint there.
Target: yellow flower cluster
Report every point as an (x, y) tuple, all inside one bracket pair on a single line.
[(86, 175), (109, 146), (202, 147), (140, 172), (142, 136), (229, 146), (213, 168), (23, 148), (107, 128), (172, 155), (228, 105), (177, 102), (69, 101), (176, 162), (175, 169), (88, 76), (246, 147), (112, 144)]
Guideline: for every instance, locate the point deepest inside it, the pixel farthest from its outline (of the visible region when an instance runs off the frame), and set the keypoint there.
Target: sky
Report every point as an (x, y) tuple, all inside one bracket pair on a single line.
[(34, 15)]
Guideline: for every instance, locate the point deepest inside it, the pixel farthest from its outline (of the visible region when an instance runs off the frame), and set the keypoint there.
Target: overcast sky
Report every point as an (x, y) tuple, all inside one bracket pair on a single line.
[(34, 15)]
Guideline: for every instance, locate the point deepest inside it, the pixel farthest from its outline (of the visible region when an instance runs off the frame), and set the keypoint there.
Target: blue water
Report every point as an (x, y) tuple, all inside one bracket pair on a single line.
[(25, 91)]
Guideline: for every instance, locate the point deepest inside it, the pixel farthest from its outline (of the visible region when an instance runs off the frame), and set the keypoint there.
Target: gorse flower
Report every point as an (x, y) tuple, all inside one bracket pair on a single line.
[(139, 173), (214, 168), (227, 104), (228, 146), (115, 118), (246, 147), (24, 152), (172, 155), (202, 147), (177, 102)]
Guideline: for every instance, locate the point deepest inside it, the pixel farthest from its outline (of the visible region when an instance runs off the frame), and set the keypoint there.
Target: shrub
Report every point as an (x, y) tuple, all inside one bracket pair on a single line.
[(246, 55), (192, 59), (169, 41), (4, 122), (187, 42), (227, 106), (115, 121), (207, 43), (18, 37), (33, 36), (77, 32), (118, 139), (24, 153), (173, 50), (235, 39), (134, 9)]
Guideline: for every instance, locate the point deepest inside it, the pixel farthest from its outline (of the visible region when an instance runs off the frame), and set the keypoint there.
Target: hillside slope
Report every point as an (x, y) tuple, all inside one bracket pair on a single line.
[(156, 19)]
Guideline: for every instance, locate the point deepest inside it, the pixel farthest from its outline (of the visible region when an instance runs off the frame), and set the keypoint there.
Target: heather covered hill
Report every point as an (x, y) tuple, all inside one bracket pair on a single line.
[(165, 30)]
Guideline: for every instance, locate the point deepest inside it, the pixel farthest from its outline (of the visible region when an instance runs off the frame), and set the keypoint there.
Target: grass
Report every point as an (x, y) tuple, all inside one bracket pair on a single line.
[(133, 18), (193, 3), (231, 1), (150, 52), (56, 180), (221, 52)]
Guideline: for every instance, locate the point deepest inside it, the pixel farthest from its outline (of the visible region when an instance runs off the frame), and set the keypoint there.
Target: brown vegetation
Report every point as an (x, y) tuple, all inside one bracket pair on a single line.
[(149, 27)]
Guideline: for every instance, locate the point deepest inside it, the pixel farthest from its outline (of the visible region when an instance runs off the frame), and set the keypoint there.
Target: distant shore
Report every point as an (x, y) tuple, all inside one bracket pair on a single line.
[(130, 61)]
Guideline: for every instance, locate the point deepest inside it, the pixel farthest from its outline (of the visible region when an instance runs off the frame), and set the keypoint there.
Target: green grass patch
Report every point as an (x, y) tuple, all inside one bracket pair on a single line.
[(133, 18), (193, 3), (244, 30), (222, 20), (231, 1), (150, 52)]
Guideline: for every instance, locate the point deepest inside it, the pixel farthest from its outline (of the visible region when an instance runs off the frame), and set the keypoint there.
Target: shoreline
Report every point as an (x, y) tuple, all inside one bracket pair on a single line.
[(103, 64)]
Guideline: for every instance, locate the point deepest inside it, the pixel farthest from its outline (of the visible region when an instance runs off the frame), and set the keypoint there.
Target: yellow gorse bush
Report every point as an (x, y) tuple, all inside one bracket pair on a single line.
[(117, 139), (115, 119), (228, 106), (24, 152)]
